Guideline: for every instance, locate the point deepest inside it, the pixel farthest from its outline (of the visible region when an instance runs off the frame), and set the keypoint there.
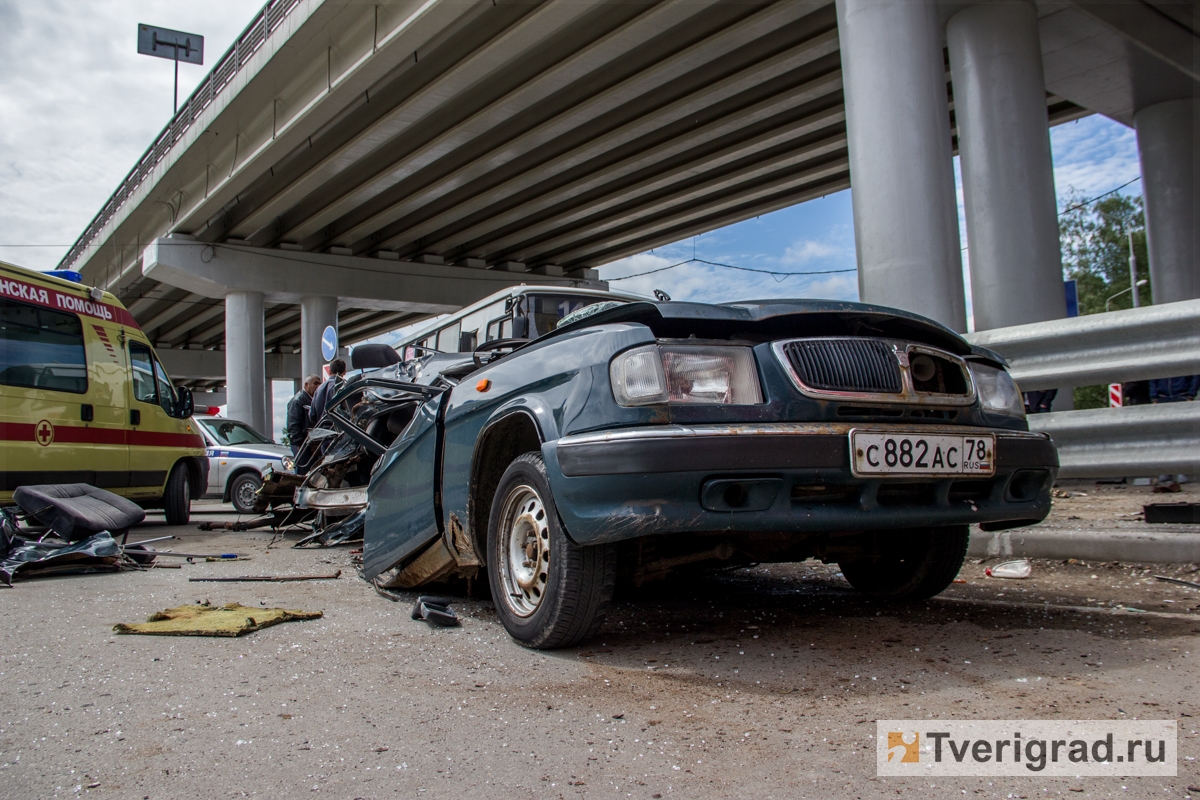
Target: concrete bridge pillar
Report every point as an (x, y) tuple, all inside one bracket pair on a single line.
[(901, 163), (1007, 169), (245, 359), (316, 313), (1168, 136)]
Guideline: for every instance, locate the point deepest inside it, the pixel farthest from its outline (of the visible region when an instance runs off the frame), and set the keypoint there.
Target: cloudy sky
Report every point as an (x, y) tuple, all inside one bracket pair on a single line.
[(79, 106)]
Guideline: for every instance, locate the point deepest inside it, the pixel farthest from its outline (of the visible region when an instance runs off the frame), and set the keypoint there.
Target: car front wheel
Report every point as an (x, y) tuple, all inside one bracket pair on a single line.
[(549, 592), (244, 491), (910, 564)]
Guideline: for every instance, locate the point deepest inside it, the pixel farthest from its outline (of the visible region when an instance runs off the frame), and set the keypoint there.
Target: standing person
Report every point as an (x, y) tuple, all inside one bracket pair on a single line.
[(1182, 389), (297, 413), (337, 369)]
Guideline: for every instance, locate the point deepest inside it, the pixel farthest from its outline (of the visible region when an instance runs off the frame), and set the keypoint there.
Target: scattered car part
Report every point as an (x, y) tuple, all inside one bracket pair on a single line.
[(75, 511), (22, 554), (1158, 513), (203, 619), (435, 610)]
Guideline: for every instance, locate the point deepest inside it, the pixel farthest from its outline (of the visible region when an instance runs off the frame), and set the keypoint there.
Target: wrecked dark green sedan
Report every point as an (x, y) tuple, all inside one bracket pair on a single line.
[(631, 439)]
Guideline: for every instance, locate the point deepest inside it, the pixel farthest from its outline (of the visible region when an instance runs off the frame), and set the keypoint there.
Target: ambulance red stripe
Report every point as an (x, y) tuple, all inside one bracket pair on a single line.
[(77, 434)]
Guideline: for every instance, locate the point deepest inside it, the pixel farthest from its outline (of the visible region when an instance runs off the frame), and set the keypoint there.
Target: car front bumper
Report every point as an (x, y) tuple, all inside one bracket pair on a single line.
[(782, 477)]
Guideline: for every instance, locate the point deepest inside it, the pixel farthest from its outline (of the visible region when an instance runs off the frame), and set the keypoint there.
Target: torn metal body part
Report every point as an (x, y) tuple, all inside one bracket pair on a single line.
[(348, 499)]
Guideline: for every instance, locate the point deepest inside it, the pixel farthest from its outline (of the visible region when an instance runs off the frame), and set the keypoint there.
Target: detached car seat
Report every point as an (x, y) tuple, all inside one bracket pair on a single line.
[(75, 511)]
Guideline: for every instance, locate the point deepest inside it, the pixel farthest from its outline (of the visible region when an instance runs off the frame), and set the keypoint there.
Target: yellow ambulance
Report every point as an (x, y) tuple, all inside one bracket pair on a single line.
[(84, 399)]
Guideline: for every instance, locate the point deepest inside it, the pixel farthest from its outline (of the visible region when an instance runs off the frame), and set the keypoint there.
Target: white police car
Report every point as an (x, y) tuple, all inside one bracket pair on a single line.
[(237, 457)]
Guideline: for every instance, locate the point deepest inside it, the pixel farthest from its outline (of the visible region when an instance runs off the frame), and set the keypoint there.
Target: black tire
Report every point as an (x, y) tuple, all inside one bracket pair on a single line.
[(560, 599), (177, 499), (912, 565), (242, 492)]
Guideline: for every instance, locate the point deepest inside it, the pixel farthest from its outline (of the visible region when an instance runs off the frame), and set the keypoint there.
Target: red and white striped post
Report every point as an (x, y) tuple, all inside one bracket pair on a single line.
[(1115, 398)]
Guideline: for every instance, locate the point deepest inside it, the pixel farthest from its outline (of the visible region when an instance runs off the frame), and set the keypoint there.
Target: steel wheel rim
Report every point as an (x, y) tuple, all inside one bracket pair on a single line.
[(524, 550), (245, 494)]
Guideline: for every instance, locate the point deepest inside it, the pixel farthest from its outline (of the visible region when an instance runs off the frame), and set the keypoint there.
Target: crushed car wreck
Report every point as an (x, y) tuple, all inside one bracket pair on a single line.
[(634, 438)]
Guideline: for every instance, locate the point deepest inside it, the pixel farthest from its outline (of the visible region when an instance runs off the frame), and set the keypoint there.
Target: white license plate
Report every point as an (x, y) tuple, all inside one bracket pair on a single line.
[(874, 453)]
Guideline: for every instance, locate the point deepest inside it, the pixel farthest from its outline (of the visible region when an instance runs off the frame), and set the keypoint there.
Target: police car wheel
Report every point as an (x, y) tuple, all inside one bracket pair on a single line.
[(244, 491), (177, 499)]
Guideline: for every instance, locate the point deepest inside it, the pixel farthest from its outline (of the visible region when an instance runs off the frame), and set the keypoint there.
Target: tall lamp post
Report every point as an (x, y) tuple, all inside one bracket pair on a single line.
[(1133, 281), (175, 45)]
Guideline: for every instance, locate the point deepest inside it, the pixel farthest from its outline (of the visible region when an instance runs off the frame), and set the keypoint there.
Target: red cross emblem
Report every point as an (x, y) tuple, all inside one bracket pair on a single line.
[(44, 433)]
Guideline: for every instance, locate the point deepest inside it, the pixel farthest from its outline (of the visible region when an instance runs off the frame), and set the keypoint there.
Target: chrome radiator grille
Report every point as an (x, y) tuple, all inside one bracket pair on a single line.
[(845, 365)]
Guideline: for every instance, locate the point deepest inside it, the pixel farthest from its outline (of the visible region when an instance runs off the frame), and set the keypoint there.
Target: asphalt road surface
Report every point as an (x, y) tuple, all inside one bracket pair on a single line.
[(763, 682)]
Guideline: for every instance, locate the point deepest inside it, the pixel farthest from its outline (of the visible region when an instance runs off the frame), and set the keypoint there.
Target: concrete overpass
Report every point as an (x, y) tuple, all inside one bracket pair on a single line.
[(448, 148)]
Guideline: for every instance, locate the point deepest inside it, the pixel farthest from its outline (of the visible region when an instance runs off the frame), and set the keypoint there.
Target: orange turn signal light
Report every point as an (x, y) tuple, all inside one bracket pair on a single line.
[(483, 385)]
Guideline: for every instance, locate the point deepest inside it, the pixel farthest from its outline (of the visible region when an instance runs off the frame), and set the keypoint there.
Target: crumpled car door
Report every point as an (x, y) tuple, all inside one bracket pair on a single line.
[(402, 513)]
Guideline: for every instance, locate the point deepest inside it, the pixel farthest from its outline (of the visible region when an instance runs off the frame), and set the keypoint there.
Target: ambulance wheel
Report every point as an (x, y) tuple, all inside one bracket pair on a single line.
[(177, 499), (244, 492)]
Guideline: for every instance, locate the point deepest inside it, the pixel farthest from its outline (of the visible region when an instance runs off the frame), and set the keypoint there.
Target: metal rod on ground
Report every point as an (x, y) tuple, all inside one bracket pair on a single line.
[(221, 556), (269, 578), (1176, 580), (148, 541)]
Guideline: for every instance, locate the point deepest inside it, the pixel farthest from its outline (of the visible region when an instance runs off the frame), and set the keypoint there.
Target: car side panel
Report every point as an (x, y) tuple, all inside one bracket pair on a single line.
[(401, 516), (552, 382)]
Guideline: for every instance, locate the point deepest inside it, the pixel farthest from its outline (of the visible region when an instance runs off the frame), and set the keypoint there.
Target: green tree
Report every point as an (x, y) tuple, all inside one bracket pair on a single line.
[(1095, 253)]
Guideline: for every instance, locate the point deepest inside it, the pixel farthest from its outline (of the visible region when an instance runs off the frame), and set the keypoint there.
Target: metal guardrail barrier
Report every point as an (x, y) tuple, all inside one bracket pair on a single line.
[(251, 39), (1125, 442), (1135, 344)]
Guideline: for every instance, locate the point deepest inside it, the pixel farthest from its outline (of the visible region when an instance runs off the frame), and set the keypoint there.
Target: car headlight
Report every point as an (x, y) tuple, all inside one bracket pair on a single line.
[(998, 392), (685, 374)]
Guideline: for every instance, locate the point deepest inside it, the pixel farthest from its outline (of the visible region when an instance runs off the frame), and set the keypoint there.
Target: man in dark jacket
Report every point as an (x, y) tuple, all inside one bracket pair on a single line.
[(297, 413), (337, 369)]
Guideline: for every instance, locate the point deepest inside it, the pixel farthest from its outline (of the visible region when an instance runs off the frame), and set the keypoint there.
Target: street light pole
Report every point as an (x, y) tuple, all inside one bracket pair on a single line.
[(1133, 289), (1133, 281)]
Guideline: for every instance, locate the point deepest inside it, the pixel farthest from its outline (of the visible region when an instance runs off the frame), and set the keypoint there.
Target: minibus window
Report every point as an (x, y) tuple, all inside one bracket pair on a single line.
[(546, 310), (143, 373), (41, 349), (447, 340), (499, 329)]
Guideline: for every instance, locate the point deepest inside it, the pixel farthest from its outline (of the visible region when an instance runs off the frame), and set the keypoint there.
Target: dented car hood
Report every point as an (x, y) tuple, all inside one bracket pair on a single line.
[(769, 318)]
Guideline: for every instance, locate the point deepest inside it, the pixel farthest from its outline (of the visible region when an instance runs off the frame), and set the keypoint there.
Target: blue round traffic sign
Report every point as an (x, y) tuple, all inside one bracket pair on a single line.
[(329, 343)]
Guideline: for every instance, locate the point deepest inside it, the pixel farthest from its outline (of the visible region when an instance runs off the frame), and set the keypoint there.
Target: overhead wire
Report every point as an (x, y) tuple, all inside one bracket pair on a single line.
[(777, 274)]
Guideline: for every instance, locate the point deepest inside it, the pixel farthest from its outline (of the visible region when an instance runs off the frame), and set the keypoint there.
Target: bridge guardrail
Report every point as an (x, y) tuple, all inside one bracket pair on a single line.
[(1134, 441), (1135, 344), (250, 40), (1130, 345)]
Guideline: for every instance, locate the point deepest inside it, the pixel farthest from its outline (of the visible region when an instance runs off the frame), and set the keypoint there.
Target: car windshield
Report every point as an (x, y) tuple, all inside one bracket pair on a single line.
[(230, 431), (545, 310)]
